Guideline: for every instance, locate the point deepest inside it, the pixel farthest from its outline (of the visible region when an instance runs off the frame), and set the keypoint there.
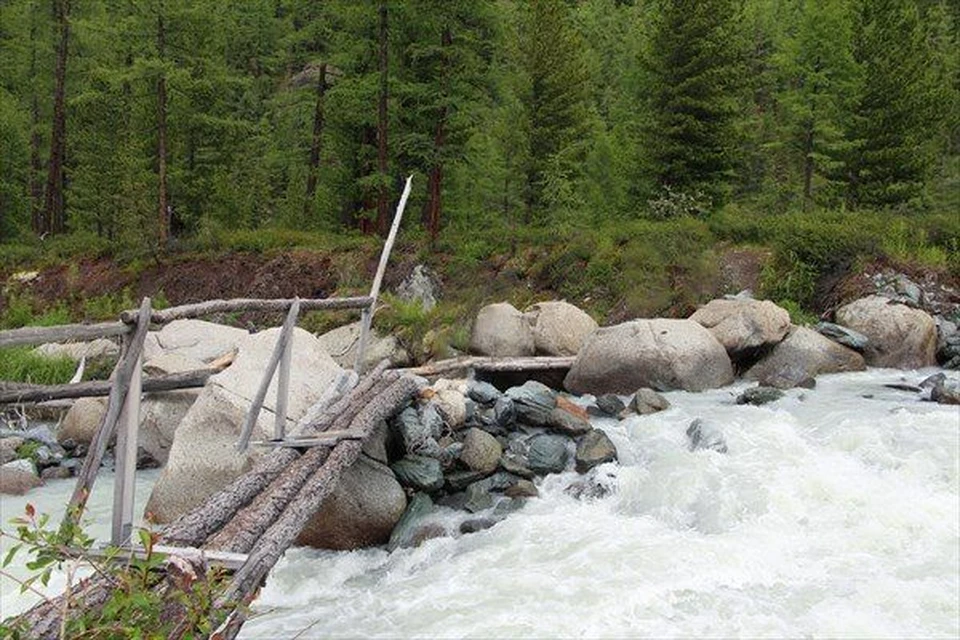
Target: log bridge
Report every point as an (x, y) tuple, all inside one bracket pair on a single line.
[(247, 526)]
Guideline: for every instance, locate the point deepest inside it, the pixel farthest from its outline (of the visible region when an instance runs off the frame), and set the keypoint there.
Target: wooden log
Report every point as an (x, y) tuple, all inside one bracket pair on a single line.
[(485, 363), (367, 316), (62, 333), (125, 454), (16, 393), (283, 372), (108, 424), (247, 304), (247, 580), (285, 334)]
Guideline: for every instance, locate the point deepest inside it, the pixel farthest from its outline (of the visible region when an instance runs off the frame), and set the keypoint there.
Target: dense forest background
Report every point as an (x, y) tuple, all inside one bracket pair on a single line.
[(145, 122)]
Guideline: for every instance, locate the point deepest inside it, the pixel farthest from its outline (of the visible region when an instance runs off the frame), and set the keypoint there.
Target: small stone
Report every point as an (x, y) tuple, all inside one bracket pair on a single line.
[(450, 454), (474, 525), (419, 472), (481, 451), (564, 404), (455, 501), (483, 392), (18, 477), (704, 435), (478, 498), (646, 401), (522, 489), (759, 395), (419, 507), (566, 423), (610, 404), (548, 453), (56, 473), (593, 449), (842, 335)]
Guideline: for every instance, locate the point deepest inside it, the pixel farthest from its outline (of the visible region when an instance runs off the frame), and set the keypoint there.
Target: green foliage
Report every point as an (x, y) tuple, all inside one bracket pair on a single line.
[(109, 305), (22, 364), (137, 606)]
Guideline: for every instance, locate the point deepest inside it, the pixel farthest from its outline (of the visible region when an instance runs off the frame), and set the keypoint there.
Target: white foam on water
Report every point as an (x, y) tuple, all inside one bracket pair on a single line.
[(831, 515)]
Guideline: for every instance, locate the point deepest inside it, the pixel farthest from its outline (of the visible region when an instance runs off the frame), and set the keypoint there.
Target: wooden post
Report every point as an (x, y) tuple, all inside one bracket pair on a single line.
[(247, 430), (367, 316), (283, 376), (125, 454)]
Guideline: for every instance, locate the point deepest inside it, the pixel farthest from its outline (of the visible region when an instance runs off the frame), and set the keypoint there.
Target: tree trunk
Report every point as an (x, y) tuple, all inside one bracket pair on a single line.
[(37, 222), (383, 214), (315, 144), (53, 202), (162, 200), (434, 182)]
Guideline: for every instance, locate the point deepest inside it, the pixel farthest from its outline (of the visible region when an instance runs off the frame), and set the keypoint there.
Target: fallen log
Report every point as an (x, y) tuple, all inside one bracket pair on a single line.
[(487, 363), (247, 304), (15, 393), (64, 333)]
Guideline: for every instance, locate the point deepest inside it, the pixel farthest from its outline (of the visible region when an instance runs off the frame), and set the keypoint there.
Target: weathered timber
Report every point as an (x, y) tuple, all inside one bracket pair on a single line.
[(486, 363), (286, 333), (247, 304), (63, 333), (275, 541), (108, 424), (125, 455), (283, 370), (21, 393), (326, 417), (326, 439)]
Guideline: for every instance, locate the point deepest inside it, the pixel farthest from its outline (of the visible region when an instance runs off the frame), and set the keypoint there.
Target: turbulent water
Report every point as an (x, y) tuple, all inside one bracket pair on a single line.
[(831, 515)]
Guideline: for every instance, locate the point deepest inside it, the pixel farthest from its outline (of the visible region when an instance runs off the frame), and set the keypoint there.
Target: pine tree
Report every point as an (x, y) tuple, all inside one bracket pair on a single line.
[(695, 66)]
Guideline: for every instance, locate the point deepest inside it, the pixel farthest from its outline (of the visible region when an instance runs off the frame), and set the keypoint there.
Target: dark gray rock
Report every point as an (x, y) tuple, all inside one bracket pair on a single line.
[(459, 480), (413, 433), (404, 533), (933, 381), (610, 404), (481, 451), (432, 419), (474, 525), (704, 435), (533, 402), (646, 401), (759, 395), (504, 412), (429, 448), (590, 486), (419, 472), (478, 497), (842, 335), (567, 423), (517, 465), (522, 489), (483, 393), (548, 453), (946, 392), (593, 449)]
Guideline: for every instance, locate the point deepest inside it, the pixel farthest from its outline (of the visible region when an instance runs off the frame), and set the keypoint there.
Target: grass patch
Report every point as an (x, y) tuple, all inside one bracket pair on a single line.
[(21, 364)]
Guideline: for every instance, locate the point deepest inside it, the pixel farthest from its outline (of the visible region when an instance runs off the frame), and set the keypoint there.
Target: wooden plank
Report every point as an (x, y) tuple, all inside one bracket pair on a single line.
[(125, 453), (247, 430), (248, 304), (283, 375), (326, 439), (16, 393), (485, 363), (125, 553), (367, 317), (62, 333), (108, 424)]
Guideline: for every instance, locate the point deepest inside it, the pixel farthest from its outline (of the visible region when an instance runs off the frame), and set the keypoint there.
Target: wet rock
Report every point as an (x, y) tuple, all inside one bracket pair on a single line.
[(567, 423), (522, 489), (559, 328), (591, 486), (533, 402), (419, 472), (610, 404), (459, 480), (501, 330), (842, 335), (946, 391), (404, 534), (705, 435), (474, 525), (594, 449), (759, 395), (646, 401), (803, 354), (455, 501), (478, 497), (899, 336), (516, 464), (547, 453), (481, 451), (483, 393), (504, 412)]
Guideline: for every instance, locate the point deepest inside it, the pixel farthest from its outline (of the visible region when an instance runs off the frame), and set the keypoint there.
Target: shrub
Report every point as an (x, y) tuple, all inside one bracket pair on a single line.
[(23, 364)]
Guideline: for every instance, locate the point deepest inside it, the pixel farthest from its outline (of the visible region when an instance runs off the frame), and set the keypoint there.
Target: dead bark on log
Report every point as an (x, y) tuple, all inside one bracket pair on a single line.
[(246, 304), (484, 363), (22, 393), (64, 333)]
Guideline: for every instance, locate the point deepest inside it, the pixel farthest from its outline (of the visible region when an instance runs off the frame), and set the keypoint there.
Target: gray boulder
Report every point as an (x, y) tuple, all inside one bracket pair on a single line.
[(419, 472), (361, 512), (195, 340), (743, 325), (610, 404), (899, 336), (759, 395), (559, 328), (805, 354), (843, 335), (662, 354), (646, 401), (594, 449), (342, 343), (408, 530), (501, 330), (481, 451), (533, 401), (547, 453), (706, 435)]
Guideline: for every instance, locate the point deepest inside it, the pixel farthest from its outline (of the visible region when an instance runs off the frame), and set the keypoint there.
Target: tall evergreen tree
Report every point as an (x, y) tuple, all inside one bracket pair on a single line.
[(695, 61)]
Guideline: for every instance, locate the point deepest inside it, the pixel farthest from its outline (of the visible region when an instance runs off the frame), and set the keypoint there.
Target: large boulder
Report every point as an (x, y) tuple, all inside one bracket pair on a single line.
[(803, 355), (743, 325), (661, 354), (501, 330), (559, 328), (18, 477), (82, 420), (99, 348), (898, 336), (196, 340), (361, 511), (342, 343), (203, 457)]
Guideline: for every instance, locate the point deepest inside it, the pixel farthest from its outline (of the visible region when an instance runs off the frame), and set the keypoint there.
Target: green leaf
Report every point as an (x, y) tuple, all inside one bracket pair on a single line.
[(10, 554)]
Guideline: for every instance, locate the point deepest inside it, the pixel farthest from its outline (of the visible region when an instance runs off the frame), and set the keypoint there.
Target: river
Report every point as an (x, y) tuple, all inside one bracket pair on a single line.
[(831, 515)]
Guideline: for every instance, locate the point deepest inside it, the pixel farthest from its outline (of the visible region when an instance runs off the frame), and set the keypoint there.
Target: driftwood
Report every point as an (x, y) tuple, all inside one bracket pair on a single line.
[(484, 363), (63, 333), (108, 425), (246, 304), (12, 392)]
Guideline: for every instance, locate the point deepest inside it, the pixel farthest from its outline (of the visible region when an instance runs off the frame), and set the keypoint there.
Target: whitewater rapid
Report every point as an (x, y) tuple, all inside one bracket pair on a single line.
[(831, 515)]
